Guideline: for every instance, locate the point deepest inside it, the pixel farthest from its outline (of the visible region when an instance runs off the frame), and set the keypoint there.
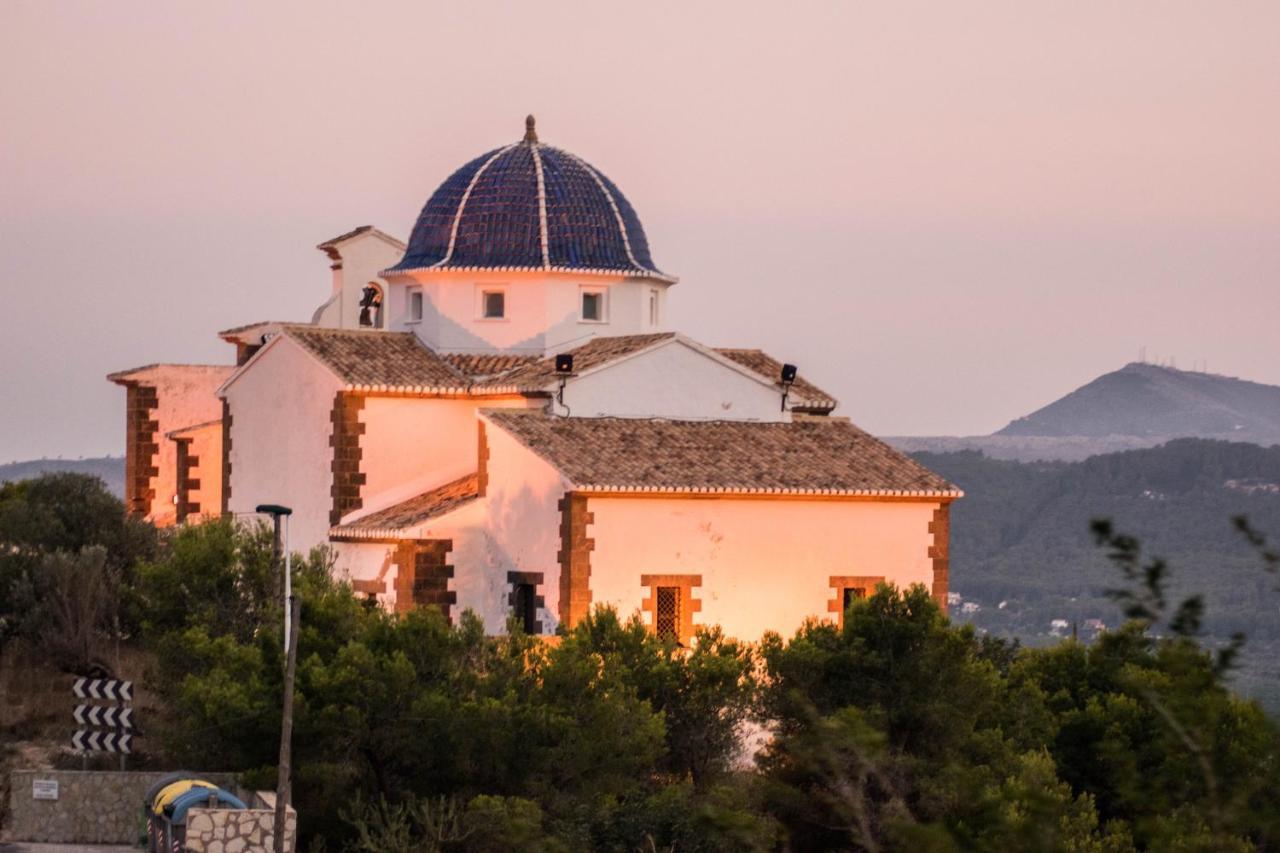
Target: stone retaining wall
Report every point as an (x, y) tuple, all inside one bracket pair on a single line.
[(93, 806), (232, 831)]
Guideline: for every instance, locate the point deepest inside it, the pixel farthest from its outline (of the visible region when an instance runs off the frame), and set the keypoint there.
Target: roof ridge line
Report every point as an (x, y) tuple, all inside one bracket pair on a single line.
[(462, 204), (543, 234)]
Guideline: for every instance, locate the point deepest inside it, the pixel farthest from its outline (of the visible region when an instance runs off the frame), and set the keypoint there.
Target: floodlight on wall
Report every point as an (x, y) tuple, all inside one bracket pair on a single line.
[(786, 380), (564, 369)]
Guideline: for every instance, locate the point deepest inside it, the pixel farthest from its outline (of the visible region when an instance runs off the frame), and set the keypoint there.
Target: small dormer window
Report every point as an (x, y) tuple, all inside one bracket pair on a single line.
[(371, 306), (493, 304), (594, 305), (414, 313)]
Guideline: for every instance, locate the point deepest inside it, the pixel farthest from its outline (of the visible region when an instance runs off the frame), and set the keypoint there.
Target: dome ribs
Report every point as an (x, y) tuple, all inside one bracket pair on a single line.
[(529, 206)]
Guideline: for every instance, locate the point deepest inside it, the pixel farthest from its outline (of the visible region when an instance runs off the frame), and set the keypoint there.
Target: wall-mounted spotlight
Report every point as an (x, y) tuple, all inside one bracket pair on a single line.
[(787, 378), (564, 369)]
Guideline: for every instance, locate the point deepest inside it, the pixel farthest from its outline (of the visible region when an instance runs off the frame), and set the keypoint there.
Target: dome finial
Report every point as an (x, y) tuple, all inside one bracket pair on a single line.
[(530, 134)]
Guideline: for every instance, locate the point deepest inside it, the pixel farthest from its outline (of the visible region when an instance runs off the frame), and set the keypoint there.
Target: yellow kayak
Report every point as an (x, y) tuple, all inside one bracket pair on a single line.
[(169, 793)]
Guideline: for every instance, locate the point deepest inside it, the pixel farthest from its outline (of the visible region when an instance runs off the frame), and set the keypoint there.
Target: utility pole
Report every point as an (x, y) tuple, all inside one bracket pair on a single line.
[(292, 611)]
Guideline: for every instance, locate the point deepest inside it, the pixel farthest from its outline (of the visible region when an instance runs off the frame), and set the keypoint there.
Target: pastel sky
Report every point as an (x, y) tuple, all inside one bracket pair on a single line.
[(948, 214)]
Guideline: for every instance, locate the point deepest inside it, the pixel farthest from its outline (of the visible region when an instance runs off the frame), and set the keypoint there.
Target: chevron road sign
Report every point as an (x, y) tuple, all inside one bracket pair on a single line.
[(104, 688), (104, 716), (84, 741)]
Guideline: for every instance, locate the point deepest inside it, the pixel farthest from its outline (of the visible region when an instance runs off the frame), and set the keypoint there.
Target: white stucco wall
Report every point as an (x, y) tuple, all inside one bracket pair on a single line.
[(521, 517), (363, 257), (367, 561), (412, 444), (543, 310), (206, 446), (184, 397), (515, 527), (281, 408), (674, 381), (765, 564)]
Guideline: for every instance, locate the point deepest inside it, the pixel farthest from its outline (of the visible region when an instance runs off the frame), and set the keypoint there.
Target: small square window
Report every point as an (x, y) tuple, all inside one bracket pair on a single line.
[(594, 305), (415, 304), (493, 304)]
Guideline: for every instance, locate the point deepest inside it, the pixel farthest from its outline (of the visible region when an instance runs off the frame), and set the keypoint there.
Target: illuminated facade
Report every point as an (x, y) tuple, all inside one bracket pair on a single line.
[(495, 416)]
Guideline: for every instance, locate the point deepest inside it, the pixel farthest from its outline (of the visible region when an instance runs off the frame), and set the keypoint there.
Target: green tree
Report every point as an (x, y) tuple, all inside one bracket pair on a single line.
[(68, 551)]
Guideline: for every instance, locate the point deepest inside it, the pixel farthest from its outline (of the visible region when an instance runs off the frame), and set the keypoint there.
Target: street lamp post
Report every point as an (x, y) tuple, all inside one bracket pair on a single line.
[(291, 611)]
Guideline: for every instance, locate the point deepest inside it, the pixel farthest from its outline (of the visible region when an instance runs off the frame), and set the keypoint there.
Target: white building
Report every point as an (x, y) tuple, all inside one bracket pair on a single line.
[(495, 416)]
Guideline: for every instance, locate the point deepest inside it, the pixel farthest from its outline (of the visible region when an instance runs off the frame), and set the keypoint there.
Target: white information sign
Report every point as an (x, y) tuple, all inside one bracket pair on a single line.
[(44, 789)]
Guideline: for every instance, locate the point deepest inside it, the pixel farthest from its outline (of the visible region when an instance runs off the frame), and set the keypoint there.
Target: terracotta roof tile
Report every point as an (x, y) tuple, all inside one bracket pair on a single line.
[(414, 511), (376, 359), (817, 455), (804, 394), (595, 352), (480, 365), (251, 325)]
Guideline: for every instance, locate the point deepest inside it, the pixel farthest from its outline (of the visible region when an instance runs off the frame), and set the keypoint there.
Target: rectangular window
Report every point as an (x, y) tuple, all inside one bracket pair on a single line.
[(415, 304), (667, 616), (852, 594), (523, 596), (670, 605), (653, 308), (524, 600), (493, 304), (594, 305), (848, 589)]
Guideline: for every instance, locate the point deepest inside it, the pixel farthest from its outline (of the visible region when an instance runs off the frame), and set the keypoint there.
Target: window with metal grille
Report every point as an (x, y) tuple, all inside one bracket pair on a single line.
[(667, 616), (523, 597)]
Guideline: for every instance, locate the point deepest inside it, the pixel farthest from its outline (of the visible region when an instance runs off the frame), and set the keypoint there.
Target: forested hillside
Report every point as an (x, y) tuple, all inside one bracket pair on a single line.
[(1023, 555)]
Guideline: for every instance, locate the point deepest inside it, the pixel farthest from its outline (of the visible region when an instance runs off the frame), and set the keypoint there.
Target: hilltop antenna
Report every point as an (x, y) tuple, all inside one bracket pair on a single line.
[(1142, 354)]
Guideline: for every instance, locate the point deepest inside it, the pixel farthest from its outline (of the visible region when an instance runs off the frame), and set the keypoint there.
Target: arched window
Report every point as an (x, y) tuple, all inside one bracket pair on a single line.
[(371, 306)]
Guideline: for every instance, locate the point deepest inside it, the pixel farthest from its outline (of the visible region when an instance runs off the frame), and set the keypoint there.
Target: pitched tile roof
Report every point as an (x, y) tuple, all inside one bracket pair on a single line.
[(133, 374), (819, 455), (595, 352), (477, 365), (805, 396), (376, 360), (235, 330), (356, 232), (396, 518)]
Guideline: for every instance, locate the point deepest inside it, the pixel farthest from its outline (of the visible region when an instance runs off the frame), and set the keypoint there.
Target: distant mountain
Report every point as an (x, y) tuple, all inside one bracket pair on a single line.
[(1145, 400), (1137, 406), (109, 468)]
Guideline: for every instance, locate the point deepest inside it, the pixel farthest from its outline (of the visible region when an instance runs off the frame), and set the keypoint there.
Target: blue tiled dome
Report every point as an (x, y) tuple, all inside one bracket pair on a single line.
[(529, 206)]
